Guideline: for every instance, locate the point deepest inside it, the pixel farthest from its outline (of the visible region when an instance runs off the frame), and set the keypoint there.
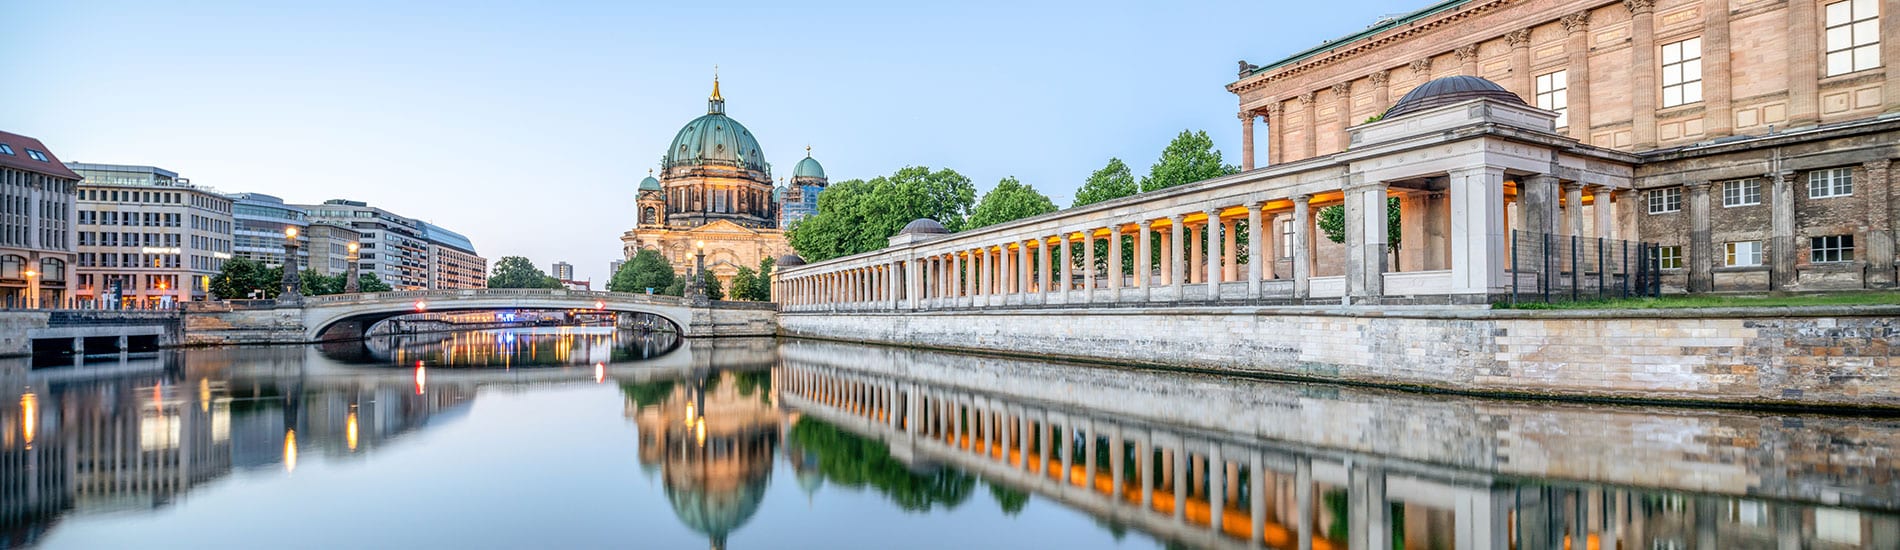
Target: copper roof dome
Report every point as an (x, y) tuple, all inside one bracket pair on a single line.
[(1448, 90)]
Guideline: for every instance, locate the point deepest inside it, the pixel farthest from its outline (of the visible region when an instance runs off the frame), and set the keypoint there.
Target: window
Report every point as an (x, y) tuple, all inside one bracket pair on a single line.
[(39, 156), (1663, 201), (1835, 182), (6, 149), (1669, 257), (1742, 254), (1853, 36), (1682, 72), (1286, 238), (1741, 193), (1552, 95), (1831, 248)]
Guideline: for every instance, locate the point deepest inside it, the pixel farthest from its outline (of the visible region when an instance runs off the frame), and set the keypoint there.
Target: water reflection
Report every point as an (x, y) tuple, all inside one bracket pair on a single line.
[(883, 448)]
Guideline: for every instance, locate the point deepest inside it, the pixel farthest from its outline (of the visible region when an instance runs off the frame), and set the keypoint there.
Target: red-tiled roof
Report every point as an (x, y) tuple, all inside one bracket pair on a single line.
[(22, 160)]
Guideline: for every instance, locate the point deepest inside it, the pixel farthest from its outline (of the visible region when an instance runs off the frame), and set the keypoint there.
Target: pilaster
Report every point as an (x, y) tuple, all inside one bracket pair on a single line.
[(1781, 242), (1577, 73), (1718, 119), (1701, 247), (1804, 63), (1879, 247), (1523, 83), (1642, 72)]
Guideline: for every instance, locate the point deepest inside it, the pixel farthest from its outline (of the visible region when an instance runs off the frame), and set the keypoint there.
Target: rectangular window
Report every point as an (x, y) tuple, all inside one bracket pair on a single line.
[(1552, 95), (1669, 257), (1742, 254), (1833, 182), (1831, 248), (1853, 36), (39, 156), (6, 149), (1286, 238), (1663, 201), (1682, 72), (1741, 193)]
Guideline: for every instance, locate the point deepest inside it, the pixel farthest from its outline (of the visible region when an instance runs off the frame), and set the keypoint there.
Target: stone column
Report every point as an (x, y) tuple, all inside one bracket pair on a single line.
[(1302, 245), (1164, 267), (1642, 71), (1603, 207), (1276, 130), (1254, 256), (1523, 83), (1177, 273), (1537, 204), (1067, 278), (1577, 73), (1213, 267), (1365, 240), (1381, 89), (1879, 246), (1701, 249), (1022, 270), (1309, 108), (1144, 268), (1246, 140), (1718, 119), (1573, 209), (1115, 260), (1230, 255), (1781, 240), (1088, 265), (1804, 63), (1195, 265), (1342, 105), (1477, 230)]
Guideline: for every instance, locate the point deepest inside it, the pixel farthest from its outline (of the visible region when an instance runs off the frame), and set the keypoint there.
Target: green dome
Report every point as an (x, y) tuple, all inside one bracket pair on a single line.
[(649, 184), (808, 168), (715, 139)]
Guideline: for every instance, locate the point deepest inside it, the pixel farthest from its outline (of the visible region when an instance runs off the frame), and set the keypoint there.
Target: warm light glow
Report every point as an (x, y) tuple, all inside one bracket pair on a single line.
[(689, 414), (30, 415), (349, 430), (600, 304), (700, 432), (30, 273), (422, 378), (290, 451), (290, 233), (700, 244), (162, 285), (422, 305), (353, 248), (204, 395), (600, 372)]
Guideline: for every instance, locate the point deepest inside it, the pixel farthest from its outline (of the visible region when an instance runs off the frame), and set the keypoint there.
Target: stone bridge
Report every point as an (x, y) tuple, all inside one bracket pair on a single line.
[(347, 316)]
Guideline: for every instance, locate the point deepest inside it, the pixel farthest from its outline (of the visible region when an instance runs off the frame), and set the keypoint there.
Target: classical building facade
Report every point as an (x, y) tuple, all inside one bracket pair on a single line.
[(37, 208), (150, 235), (713, 197), (1764, 131)]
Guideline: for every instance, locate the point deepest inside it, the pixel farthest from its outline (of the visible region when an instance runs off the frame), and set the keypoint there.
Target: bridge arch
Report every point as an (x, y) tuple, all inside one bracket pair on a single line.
[(358, 312)]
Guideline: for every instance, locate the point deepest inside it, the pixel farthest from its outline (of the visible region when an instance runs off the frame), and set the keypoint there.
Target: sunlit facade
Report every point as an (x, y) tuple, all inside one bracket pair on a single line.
[(149, 234)]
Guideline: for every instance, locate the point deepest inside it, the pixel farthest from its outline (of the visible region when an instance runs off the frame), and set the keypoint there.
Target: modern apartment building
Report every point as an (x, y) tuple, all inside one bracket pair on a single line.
[(328, 247), (149, 234), (407, 253), (263, 223), (37, 195)]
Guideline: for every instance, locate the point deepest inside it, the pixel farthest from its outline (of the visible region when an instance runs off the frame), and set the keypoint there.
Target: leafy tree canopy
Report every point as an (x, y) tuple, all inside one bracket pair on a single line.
[(710, 283), (753, 285), (857, 216), (1111, 182), (647, 269), (1332, 222), (518, 272), (1010, 201), (1191, 157), (241, 276), (854, 461)]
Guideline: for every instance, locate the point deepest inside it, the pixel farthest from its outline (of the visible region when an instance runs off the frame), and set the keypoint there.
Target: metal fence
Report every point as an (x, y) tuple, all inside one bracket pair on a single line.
[(1566, 268)]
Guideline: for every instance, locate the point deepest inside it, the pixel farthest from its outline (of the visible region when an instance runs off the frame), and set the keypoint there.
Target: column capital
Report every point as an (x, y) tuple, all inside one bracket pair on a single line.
[(1246, 117), (1144, 223), (1275, 110), (1303, 198), (1306, 99), (1379, 77), (1254, 206), (1576, 22), (1694, 186), (1176, 218), (1422, 65), (1568, 185), (1639, 6), (1343, 90), (1467, 53), (1520, 38)]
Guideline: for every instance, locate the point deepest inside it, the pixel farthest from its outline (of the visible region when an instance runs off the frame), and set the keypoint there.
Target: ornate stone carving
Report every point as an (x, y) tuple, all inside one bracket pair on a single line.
[(1422, 66), (1306, 99), (1576, 22), (1520, 38), (1639, 6), (1467, 53), (1247, 68), (1379, 78), (1343, 89), (1247, 116), (1275, 110)]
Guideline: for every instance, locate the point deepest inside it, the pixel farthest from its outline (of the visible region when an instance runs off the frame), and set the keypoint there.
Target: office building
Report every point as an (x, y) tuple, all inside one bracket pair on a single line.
[(37, 236), (148, 234)]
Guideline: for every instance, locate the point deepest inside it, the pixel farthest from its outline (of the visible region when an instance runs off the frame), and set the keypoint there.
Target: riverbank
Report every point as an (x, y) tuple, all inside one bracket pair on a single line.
[(1823, 357)]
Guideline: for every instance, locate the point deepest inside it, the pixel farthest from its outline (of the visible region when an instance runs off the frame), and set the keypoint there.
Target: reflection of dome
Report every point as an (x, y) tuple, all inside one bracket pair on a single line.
[(789, 260), (808, 168), (715, 139), (1449, 90), (924, 226), (716, 515)]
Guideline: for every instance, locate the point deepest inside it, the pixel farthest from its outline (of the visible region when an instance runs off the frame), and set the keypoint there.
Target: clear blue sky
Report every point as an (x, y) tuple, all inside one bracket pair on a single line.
[(527, 125)]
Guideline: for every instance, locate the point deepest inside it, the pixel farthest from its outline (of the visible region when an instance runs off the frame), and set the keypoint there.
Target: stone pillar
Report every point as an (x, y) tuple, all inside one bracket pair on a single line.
[(1781, 240), (1246, 140), (1522, 82), (1701, 248), (1196, 267), (1365, 240), (1254, 256), (1718, 119), (1276, 130), (1022, 270), (1088, 265), (1302, 245), (1144, 260), (1573, 209), (1342, 106), (1604, 208), (1229, 256), (1879, 178), (1067, 279), (1176, 264), (1537, 204), (1890, 51), (1577, 73), (1804, 63), (1477, 230), (1213, 266), (1309, 108), (1115, 260), (1381, 89), (1642, 71)]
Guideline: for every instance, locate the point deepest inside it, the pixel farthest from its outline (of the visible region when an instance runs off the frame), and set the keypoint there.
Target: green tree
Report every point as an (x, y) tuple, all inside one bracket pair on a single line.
[(710, 284), (240, 277), (1191, 157), (853, 461), (518, 272), (744, 283), (1010, 500), (647, 269), (763, 293), (1332, 221), (1010, 201), (369, 282), (318, 284), (1111, 182), (856, 216)]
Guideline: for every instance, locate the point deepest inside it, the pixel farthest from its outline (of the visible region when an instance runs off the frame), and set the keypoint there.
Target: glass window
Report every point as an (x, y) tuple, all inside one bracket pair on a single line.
[(6, 149), (1835, 182), (39, 156), (1831, 248), (1853, 36), (1286, 238), (1742, 254), (1682, 72), (1741, 193), (1669, 257), (1552, 95), (1663, 201)]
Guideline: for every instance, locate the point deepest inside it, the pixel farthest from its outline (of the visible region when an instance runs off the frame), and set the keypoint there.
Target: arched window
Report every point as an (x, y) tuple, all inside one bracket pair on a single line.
[(52, 269), (12, 267), (647, 215)]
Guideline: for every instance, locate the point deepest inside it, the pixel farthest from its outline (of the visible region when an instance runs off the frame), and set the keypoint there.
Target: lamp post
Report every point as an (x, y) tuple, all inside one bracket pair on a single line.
[(292, 287), (32, 290), (351, 281), (696, 286)]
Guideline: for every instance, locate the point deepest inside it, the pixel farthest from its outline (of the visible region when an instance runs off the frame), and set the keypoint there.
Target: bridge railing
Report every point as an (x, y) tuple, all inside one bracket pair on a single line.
[(489, 293)]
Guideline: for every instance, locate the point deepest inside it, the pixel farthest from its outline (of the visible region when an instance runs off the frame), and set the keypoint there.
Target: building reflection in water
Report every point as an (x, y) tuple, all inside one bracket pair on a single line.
[(537, 347), (711, 437)]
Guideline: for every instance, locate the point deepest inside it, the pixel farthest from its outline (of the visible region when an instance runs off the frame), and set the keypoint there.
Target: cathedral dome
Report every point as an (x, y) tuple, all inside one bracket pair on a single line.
[(1449, 90), (715, 139), (808, 168), (649, 184)]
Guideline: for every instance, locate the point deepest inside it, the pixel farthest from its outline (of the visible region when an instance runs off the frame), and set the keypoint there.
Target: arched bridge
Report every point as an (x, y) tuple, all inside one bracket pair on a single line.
[(350, 315)]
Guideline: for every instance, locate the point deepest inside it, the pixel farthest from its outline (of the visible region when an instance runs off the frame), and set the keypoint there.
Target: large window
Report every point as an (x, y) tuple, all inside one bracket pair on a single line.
[(1741, 193), (1663, 201), (1286, 238), (1669, 257), (1831, 248), (1552, 92), (1834, 182), (1682, 72), (1742, 254), (1853, 36)]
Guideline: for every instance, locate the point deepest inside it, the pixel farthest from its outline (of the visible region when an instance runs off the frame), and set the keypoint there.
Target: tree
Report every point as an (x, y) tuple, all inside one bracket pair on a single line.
[(318, 284), (647, 270), (518, 272), (1010, 201), (744, 283), (856, 216), (709, 284), (240, 277), (1191, 157), (1332, 222), (369, 282), (764, 291), (1111, 182), (1012, 501)]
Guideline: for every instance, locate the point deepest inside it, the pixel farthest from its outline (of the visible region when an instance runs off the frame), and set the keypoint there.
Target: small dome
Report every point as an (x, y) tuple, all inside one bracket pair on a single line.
[(924, 226), (1448, 90), (808, 168), (789, 260), (649, 184)]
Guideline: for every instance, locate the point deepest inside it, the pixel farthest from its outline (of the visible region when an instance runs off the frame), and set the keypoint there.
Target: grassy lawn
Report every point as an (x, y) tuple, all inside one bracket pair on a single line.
[(1666, 302)]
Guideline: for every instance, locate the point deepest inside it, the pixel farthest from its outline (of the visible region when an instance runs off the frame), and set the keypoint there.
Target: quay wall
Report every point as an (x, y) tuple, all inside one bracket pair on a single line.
[(1835, 357)]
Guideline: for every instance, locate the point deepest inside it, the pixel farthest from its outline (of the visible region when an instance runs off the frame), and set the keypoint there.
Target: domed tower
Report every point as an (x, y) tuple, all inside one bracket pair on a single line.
[(800, 199), (714, 170), (651, 202)]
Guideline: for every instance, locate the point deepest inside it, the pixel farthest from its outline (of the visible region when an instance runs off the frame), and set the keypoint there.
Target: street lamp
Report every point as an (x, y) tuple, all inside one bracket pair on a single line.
[(351, 282), (32, 290), (292, 285), (696, 286)]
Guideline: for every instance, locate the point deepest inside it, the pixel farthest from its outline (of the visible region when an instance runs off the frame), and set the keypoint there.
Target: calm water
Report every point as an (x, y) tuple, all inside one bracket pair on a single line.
[(589, 438)]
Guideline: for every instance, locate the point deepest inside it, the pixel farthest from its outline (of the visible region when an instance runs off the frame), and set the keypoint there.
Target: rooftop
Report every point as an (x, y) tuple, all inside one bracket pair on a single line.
[(24, 153), (1379, 27)]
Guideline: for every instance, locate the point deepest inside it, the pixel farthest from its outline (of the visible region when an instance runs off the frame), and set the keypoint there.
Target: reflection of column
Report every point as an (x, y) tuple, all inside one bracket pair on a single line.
[(1043, 444), (1180, 484), (1115, 462), (1144, 460), (1303, 494), (1216, 490), (1257, 495), (1368, 514), (1022, 438), (1068, 452), (1088, 455)]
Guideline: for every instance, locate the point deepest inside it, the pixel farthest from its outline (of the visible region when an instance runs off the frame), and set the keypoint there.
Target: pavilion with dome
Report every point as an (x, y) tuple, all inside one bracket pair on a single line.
[(714, 195)]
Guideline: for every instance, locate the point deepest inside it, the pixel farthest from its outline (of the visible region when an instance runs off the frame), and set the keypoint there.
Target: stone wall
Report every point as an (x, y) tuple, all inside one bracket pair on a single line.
[(725, 319), (1807, 357)]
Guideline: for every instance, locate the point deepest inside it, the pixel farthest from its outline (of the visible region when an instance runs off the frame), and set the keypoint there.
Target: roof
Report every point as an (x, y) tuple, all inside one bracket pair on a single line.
[(21, 160), (1449, 90), (925, 226), (436, 234), (1382, 26)]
